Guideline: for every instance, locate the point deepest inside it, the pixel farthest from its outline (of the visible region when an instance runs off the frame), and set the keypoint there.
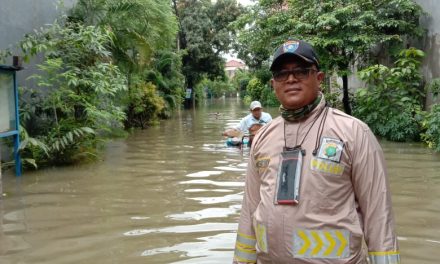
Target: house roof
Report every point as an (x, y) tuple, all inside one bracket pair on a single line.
[(235, 63)]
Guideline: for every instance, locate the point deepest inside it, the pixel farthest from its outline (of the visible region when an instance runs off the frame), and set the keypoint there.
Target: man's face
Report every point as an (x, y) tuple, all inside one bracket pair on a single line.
[(256, 113), (295, 92)]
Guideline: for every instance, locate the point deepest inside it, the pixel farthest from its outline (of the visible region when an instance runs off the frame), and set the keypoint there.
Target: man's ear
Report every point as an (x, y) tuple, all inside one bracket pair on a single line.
[(320, 76), (271, 83)]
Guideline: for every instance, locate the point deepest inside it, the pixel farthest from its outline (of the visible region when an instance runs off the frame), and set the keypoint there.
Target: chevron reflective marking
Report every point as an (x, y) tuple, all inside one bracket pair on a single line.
[(329, 243), (318, 246), (306, 242), (332, 243), (343, 243), (387, 257)]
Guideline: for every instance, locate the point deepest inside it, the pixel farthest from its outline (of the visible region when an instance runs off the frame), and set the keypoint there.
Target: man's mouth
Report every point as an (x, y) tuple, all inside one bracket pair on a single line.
[(292, 89)]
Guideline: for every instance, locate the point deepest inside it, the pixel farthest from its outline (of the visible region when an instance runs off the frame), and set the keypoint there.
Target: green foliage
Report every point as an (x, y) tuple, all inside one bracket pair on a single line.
[(74, 107), (344, 32), (333, 94), (4, 54), (204, 35), (139, 27), (240, 81), (144, 33), (268, 97), (166, 75), (255, 89), (432, 124), (216, 88), (258, 88), (392, 103), (434, 87), (145, 105)]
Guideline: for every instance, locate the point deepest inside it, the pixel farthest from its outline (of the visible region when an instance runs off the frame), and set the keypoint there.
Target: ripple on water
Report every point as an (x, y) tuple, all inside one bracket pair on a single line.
[(205, 227), (202, 174), (230, 168), (215, 183), (205, 213), (222, 199), (208, 190)]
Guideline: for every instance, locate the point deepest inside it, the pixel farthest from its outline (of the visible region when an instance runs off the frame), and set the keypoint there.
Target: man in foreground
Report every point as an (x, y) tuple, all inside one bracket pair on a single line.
[(316, 184)]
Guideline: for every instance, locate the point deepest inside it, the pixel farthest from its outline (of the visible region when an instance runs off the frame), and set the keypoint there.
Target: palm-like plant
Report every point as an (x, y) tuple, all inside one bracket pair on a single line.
[(140, 27)]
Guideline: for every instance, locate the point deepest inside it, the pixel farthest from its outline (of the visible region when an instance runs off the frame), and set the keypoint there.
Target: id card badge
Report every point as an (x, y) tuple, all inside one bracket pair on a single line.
[(289, 176)]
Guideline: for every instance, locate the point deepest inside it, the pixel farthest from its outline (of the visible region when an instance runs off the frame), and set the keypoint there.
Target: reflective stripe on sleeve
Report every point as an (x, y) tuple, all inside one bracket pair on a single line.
[(245, 249), (246, 240), (388, 257)]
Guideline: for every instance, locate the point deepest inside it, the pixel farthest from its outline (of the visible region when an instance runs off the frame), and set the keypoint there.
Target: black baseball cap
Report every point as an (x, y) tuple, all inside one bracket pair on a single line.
[(298, 48)]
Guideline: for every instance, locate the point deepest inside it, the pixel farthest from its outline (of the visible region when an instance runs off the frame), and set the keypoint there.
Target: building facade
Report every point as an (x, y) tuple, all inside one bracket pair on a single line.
[(232, 66)]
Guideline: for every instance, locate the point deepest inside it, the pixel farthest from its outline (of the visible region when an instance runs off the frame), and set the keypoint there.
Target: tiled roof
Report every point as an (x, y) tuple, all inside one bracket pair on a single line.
[(234, 63)]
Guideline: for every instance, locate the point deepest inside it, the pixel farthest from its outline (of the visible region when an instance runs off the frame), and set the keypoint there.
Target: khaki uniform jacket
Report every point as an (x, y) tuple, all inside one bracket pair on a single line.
[(344, 198)]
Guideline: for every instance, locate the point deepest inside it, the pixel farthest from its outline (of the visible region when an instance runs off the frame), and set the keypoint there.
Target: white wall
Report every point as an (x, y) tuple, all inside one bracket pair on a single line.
[(431, 43)]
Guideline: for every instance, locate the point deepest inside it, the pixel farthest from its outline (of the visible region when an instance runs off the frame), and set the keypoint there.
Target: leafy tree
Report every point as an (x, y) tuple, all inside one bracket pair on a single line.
[(344, 32), (215, 88), (166, 74), (241, 80), (204, 35), (144, 38), (140, 27)]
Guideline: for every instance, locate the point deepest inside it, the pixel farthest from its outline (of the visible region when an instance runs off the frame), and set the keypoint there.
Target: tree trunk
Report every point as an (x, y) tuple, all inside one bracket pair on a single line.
[(346, 98)]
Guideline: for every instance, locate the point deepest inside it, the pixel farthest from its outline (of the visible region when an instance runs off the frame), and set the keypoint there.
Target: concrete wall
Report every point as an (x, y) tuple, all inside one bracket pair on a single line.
[(18, 17), (431, 43)]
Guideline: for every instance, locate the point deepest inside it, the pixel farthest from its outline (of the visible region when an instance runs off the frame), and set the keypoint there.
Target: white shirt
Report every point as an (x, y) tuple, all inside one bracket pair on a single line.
[(249, 120)]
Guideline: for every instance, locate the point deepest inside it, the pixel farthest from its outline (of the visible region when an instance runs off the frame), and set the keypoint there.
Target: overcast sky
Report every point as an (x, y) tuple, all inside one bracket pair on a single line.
[(233, 56), (245, 2)]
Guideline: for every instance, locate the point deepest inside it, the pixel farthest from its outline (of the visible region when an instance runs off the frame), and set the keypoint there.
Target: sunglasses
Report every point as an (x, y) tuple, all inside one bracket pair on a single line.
[(299, 74)]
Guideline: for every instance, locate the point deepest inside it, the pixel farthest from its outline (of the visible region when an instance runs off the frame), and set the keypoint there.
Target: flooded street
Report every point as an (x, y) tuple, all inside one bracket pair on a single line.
[(172, 194)]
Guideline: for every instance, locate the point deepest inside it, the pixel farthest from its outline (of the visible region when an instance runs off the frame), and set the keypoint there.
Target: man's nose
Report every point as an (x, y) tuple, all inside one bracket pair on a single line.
[(291, 77)]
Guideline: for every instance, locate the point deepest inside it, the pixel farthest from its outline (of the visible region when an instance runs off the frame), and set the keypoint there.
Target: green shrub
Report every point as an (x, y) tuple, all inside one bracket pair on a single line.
[(75, 107), (432, 123), (392, 102), (145, 105), (268, 97), (255, 89), (240, 81), (215, 88)]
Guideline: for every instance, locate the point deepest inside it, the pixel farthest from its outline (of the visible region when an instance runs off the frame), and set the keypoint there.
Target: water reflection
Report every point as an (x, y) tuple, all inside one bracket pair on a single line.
[(211, 249), (172, 194), (206, 213)]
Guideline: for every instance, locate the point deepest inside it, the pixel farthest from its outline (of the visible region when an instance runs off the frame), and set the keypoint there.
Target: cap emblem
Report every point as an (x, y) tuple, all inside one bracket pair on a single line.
[(290, 46)]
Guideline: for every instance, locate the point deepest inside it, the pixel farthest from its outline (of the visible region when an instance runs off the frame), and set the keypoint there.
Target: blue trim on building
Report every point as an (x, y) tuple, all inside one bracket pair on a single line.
[(15, 133)]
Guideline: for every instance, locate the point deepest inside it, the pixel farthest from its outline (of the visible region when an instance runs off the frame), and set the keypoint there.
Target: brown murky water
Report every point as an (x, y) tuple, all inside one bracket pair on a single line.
[(172, 194)]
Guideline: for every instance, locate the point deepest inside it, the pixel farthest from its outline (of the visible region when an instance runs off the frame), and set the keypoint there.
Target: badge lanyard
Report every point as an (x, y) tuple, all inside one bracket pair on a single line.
[(289, 170)]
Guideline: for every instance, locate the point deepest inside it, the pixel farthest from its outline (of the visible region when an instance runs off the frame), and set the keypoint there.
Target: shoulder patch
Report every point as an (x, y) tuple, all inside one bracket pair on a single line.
[(262, 163)]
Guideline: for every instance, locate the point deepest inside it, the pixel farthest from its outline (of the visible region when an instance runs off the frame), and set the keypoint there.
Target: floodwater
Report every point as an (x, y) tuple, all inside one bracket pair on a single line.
[(172, 194)]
